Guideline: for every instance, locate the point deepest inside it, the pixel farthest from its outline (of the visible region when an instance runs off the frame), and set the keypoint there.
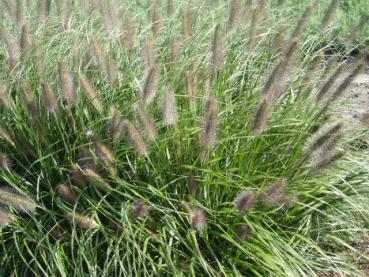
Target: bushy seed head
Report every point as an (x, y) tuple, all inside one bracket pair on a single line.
[(150, 84), (5, 101), (145, 122), (192, 185), (13, 50), (4, 162), (169, 109), (322, 136), (273, 192), (135, 139), (67, 194), (187, 22), (105, 154), (29, 99), (24, 40), (38, 57), (198, 218), (210, 122), (244, 200), (49, 99), (77, 176), (95, 179), (156, 17), (262, 113), (5, 218), (91, 92), (242, 232), (148, 53), (218, 49), (234, 14), (329, 13), (66, 84), (128, 32), (326, 160), (175, 48), (83, 221), (20, 201), (116, 125), (139, 209), (7, 136)]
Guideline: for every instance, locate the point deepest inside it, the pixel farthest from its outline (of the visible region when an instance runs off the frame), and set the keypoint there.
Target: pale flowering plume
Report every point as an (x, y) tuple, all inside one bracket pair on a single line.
[(19, 15), (66, 84), (169, 109), (5, 101), (12, 48), (83, 221), (358, 29), (326, 159), (192, 185), (274, 192), (29, 99), (20, 201), (252, 27), (95, 179), (67, 194), (244, 200), (333, 6), (115, 124), (175, 48), (91, 92), (49, 99), (148, 53), (98, 55), (38, 57), (24, 40), (187, 21), (156, 17), (86, 158), (112, 73), (300, 27), (323, 136), (330, 81), (234, 14), (4, 162), (135, 139), (7, 136), (198, 218), (150, 84), (262, 114), (139, 209), (5, 218), (278, 40), (242, 232), (78, 177), (210, 122), (218, 49), (128, 29), (343, 85), (145, 121), (106, 156), (170, 8)]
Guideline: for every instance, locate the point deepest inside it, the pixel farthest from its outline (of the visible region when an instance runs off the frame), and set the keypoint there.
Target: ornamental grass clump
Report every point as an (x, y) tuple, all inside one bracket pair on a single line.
[(182, 138)]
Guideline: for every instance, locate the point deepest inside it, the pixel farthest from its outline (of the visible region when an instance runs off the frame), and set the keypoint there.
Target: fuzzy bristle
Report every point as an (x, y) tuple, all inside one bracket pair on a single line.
[(169, 109), (105, 154), (261, 115), (139, 209), (244, 200), (5, 218), (116, 125), (66, 84), (77, 176), (38, 57), (192, 185), (242, 232), (234, 14), (95, 179), (50, 100), (135, 139), (24, 40), (146, 122), (4, 162), (210, 122), (150, 85), (333, 6), (273, 192), (29, 99), (13, 50), (198, 218), (20, 201), (91, 92), (83, 221), (67, 194), (175, 48), (322, 136), (5, 101), (218, 49)]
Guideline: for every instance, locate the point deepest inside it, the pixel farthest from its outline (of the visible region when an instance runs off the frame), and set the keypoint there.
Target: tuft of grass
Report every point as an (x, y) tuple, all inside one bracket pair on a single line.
[(182, 139)]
